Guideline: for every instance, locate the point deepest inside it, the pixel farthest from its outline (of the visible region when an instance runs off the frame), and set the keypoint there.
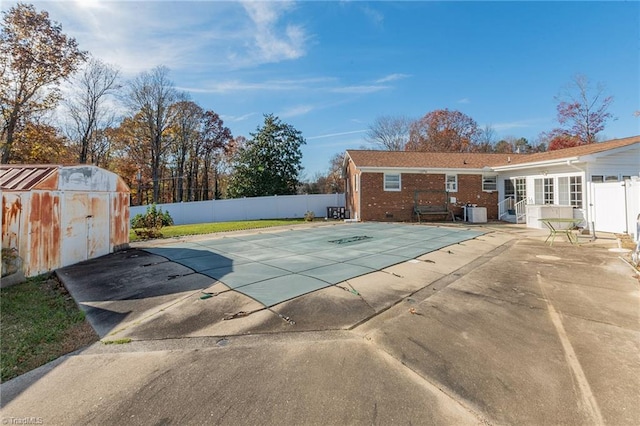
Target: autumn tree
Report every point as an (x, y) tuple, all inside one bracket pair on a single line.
[(389, 133), (329, 182), (130, 144), (216, 146), (39, 143), (35, 56), (184, 133), (582, 112), (89, 110), (334, 183), (443, 131), (269, 163), (560, 139), (151, 94)]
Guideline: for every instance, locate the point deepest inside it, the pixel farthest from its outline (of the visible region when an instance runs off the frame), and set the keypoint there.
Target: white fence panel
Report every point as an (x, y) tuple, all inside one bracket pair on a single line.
[(633, 207), (617, 207), (256, 208)]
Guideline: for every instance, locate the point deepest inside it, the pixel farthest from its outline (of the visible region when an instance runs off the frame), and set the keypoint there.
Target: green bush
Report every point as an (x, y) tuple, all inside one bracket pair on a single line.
[(309, 216), (148, 225)]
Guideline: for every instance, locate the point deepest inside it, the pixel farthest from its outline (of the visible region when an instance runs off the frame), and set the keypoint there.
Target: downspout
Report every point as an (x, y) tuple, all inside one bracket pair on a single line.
[(359, 187), (584, 192)]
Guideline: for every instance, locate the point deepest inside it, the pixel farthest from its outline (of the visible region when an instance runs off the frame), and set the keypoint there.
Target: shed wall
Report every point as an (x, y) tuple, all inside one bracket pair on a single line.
[(74, 214)]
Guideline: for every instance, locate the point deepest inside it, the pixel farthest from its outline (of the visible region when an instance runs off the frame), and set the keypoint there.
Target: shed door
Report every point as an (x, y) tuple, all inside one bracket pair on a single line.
[(85, 226)]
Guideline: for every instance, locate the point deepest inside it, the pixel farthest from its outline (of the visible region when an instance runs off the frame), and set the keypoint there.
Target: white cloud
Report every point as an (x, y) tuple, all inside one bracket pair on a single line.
[(231, 86), (392, 77), (375, 16), (501, 127), (359, 89), (332, 135), (463, 101), (274, 45), (296, 111), (239, 118), (195, 36)]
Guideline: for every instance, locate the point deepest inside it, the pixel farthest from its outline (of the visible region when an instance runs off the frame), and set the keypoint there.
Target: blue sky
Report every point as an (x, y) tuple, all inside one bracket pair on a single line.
[(330, 68)]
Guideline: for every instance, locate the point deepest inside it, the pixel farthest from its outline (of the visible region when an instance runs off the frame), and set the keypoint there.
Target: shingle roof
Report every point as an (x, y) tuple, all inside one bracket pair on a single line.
[(456, 160), (440, 160), (19, 177), (577, 151)]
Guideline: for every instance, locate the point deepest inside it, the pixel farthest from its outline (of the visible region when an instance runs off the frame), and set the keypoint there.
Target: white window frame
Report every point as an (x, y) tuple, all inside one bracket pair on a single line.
[(544, 191), (548, 190), (451, 186), (575, 191), (492, 181), (390, 184)]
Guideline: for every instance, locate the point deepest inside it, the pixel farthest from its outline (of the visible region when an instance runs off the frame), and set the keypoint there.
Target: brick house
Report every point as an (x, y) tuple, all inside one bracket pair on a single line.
[(386, 185)]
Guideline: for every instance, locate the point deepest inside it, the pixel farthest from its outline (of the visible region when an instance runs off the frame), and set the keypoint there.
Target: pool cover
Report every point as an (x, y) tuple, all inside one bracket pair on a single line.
[(272, 267)]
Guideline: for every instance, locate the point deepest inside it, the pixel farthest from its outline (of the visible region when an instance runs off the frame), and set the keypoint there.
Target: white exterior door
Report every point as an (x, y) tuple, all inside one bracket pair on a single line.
[(609, 207)]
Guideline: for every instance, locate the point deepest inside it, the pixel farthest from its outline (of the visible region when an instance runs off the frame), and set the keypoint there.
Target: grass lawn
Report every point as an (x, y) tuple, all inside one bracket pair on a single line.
[(209, 228), (40, 322)]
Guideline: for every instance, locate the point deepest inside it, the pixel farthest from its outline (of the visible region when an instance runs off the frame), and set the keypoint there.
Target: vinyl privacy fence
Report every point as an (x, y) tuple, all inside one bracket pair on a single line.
[(255, 208)]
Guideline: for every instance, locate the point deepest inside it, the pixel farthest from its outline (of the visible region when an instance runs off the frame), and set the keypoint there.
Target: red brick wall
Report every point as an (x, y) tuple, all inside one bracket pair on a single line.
[(470, 191), (397, 206)]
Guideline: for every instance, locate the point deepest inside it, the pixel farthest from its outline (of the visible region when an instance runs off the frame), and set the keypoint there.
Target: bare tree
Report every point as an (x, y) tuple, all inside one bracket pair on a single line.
[(88, 107), (389, 133), (582, 110), (151, 94), (486, 139)]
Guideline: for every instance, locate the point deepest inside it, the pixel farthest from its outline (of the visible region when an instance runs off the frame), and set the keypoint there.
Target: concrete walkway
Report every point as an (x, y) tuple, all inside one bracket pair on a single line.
[(502, 329)]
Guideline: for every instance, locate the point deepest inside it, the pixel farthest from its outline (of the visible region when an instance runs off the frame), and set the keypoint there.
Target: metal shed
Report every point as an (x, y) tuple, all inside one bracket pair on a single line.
[(56, 215)]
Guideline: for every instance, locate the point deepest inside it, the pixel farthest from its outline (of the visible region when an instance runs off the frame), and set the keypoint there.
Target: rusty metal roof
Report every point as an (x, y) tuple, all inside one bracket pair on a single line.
[(17, 177)]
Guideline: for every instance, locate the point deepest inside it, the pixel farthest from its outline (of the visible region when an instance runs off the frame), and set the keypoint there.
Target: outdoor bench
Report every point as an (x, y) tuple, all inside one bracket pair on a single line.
[(432, 210)]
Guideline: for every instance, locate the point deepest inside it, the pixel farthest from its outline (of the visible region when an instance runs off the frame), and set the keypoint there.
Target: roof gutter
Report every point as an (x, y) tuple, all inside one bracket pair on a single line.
[(427, 170), (520, 166)]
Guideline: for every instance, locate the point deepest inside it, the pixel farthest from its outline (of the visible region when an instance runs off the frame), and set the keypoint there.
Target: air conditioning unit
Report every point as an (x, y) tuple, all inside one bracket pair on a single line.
[(477, 214), (335, 212)]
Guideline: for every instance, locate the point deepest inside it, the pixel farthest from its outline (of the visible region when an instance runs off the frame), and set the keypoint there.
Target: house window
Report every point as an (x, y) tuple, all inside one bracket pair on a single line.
[(575, 191), (604, 178), (563, 191), (392, 182), (489, 183), (543, 191), (548, 190), (356, 183), (521, 189), (516, 189), (570, 191), (451, 183)]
